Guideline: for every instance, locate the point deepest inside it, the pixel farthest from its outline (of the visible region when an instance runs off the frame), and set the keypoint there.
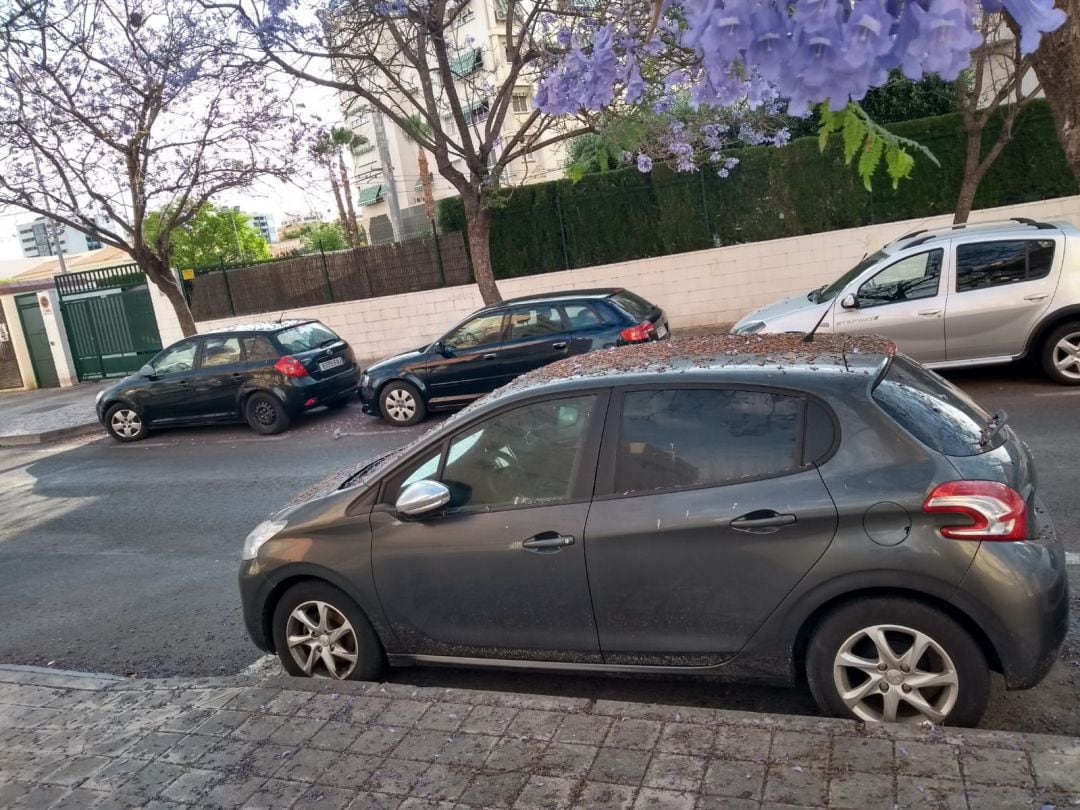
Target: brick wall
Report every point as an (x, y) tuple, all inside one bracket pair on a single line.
[(703, 288)]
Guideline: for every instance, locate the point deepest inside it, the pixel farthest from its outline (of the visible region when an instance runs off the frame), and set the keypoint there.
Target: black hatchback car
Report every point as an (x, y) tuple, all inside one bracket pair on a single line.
[(496, 344), (755, 507), (264, 374)]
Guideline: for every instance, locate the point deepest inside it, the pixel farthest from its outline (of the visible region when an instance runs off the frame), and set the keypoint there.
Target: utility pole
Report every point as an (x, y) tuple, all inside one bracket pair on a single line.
[(387, 173)]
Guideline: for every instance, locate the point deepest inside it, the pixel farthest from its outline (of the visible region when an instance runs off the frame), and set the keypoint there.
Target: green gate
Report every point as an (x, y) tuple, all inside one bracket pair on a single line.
[(109, 320)]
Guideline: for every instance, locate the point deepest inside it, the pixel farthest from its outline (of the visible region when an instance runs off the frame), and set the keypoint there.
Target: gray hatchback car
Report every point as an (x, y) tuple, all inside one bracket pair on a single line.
[(756, 507)]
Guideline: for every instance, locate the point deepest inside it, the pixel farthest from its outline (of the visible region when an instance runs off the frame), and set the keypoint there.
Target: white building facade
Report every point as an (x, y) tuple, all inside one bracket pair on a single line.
[(41, 238)]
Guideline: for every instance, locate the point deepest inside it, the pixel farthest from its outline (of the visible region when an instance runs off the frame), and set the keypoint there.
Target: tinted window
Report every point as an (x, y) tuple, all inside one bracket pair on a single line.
[(684, 438), (991, 264), (531, 322), (938, 414), (909, 279), (527, 456), (581, 316), (479, 331), (178, 358), (828, 293), (305, 337), (220, 351), (633, 305), (258, 347)]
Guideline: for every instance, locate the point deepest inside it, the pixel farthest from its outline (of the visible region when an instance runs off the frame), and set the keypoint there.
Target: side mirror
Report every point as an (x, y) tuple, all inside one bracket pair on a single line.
[(147, 371), (849, 301), (422, 498), (441, 348)]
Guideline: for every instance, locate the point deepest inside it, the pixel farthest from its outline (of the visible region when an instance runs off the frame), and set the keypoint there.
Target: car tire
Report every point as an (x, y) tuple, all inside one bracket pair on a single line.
[(124, 423), (400, 404), (265, 413), (1059, 347), (330, 611), (846, 637)]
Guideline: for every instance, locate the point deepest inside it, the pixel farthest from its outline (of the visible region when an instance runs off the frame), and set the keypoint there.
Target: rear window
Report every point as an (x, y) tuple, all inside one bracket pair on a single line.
[(633, 305), (936, 412), (305, 337)]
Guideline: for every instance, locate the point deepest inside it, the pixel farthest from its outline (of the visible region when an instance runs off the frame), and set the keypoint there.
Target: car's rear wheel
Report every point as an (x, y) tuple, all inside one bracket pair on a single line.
[(1061, 354), (319, 632), (265, 414), (125, 424), (401, 404), (897, 660)]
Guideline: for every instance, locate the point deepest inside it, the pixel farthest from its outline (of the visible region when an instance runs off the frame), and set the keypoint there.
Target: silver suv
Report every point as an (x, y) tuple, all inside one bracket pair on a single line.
[(968, 295)]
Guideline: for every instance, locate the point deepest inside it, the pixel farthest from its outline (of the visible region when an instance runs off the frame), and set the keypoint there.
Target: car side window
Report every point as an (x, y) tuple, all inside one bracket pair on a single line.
[(220, 351), (180, 357), (677, 438), (909, 279), (581, 316), (479, 331), (535, 321), (528, 456), (258, 347), (992, 264)]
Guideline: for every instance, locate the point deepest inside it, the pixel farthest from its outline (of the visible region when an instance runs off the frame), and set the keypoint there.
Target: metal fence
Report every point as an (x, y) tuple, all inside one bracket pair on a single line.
[(328, 278)]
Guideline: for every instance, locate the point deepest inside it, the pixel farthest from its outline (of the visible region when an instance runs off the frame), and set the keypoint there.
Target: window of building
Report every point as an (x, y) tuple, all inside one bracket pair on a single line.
[(220, 351), (520, 102), (670, 439), (477, 112), (992, 264), (909, 279)]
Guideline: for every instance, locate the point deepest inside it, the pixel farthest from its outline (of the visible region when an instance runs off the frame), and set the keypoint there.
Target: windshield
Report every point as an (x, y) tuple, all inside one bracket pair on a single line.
[(828, 293)]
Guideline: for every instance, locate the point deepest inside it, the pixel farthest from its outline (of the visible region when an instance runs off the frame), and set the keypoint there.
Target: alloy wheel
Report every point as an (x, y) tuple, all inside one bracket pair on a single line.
[(321, 640), (895, 674), (1067, 356), (400, 404), (126, 423)]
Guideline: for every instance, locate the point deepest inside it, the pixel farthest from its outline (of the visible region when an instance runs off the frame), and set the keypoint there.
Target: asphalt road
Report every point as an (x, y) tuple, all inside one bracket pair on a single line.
[(122, 558)]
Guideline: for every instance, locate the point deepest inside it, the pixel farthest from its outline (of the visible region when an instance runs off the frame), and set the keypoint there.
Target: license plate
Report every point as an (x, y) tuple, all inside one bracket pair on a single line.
[(326, 365), (662, 332)]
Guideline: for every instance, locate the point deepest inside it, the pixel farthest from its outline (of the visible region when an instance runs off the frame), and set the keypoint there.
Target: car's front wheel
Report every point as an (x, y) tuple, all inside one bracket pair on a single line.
[(265, 414), (1061, 354), (319, 632), (401, 404), (125, 424), (897, 660)]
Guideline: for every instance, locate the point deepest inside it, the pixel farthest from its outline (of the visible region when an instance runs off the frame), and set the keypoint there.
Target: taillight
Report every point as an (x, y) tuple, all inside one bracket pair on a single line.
[(639, 333), (290, 367), (994, 511)]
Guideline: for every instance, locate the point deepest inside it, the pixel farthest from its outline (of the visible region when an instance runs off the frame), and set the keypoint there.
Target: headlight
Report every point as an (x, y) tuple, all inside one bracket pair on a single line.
[(259, 535), (749, 328)]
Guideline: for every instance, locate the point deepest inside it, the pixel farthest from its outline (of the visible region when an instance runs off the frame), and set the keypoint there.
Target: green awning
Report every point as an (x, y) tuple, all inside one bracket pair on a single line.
[(370, 195), (467, 63)]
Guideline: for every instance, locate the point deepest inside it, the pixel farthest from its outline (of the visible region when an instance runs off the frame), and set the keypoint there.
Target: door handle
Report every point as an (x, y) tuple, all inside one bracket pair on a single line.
[(929, 313), (762, 520), (548, 540), (490, 356), (183, 383), (217, 381), (1036, 296), (560, 345)]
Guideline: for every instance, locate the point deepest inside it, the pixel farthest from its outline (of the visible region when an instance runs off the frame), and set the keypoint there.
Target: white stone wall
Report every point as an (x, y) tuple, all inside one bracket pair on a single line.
[(703, 288)]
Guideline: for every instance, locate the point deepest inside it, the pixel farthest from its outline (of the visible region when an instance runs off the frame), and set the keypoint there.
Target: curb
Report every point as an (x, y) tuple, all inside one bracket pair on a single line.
[(57, 678), (45, 436)]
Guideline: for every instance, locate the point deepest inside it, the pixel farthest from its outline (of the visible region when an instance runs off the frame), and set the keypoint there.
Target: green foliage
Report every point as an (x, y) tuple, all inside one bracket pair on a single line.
[(860, 132), (213, 237), (773, 193), (323, 237), (592, 154)]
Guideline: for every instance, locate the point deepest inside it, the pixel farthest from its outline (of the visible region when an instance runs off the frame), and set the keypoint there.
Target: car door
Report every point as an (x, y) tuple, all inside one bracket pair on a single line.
[(1002, 288), (215, 385), (167, 396), (588, 330), (501, 573), (705, 518), (535, 336), (466, 361), (905, 301)]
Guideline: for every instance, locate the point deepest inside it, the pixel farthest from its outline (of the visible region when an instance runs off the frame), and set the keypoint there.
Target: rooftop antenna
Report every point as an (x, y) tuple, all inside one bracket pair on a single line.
[(809, 336), (282, 315)]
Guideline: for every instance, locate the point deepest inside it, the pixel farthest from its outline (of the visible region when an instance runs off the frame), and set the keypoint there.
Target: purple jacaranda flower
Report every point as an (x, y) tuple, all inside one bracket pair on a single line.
[(771, 42), (644, 163), (946, 36), (686, 166), (781, 137), (867, 34), (635, 85), (1035, 17)]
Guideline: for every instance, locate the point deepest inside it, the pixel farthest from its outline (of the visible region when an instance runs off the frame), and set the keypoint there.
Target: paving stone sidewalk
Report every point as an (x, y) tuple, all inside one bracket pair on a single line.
[(70, 742)]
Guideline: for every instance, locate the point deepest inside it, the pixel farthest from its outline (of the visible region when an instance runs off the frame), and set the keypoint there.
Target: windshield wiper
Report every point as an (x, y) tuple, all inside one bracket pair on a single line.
[(327, 342), (812, 296), (992, 427)]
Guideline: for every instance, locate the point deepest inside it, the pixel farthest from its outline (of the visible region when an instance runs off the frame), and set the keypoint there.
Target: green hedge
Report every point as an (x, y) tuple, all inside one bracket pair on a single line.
[(773, 193)]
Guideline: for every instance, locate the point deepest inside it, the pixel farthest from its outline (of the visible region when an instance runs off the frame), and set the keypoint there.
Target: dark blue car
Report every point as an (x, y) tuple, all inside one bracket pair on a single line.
[(496, 344)]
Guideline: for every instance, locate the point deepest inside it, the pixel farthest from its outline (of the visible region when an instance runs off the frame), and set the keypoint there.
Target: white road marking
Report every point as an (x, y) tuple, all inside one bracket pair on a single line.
[(1058, 394), (1072, 558)]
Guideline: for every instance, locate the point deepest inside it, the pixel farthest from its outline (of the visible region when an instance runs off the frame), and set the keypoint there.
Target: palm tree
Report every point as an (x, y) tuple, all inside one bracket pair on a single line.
[(418, 132), (343, 138)]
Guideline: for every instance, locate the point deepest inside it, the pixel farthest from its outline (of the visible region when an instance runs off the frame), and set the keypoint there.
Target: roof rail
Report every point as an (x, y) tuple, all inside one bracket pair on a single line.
[(933, 232)]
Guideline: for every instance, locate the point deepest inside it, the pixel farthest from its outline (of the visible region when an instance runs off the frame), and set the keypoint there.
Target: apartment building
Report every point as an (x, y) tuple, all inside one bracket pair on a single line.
[(41, 238)]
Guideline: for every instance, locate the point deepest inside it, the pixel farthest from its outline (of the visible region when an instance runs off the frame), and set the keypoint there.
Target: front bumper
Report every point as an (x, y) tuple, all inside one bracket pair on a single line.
[(254, 595), (301, 391)]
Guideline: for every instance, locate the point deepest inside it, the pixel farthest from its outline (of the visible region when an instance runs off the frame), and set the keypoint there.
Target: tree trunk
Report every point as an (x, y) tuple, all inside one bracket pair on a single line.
[(970, 182), (478, 230), (159, 272), (1057, 66), (425, 180), (342, 217), (346, 192)]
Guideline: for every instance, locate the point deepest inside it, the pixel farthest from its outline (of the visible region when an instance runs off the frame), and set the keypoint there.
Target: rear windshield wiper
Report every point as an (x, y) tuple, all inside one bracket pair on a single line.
[(992, 427)]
